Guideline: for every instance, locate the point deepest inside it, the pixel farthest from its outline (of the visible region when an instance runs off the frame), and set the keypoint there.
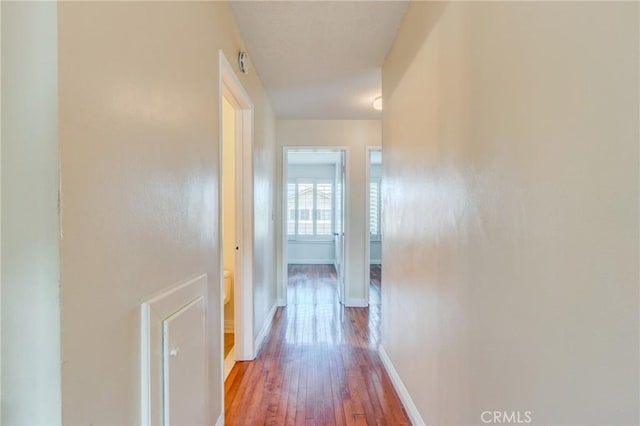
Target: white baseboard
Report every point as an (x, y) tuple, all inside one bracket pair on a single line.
[(356, 303), (281, 303), (400, 388), (220, 421), (376, 262), (265, 329), (229, 326), (311, 262), (229, 362)]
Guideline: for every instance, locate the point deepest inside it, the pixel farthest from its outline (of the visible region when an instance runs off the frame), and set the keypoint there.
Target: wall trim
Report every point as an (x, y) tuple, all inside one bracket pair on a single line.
[(220, 421), (281, 303), (265, 329), (403, 393), (375, 262), (356, 303), (154, 311), (311, 262), (229, 362)]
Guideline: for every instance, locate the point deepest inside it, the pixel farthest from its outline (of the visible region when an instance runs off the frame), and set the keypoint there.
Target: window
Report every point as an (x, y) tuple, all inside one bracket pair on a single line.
[(310, 209), (374, 210), (291, 207)]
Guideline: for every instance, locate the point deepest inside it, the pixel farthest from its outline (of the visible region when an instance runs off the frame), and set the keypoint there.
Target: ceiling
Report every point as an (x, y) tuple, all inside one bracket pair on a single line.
[(319, 59)]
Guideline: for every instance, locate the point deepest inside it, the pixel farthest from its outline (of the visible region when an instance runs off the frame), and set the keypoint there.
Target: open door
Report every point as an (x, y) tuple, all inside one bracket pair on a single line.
[(338, 232)]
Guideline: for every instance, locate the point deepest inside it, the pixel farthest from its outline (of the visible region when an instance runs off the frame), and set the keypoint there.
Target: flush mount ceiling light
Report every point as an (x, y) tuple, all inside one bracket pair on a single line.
[(377, 103)]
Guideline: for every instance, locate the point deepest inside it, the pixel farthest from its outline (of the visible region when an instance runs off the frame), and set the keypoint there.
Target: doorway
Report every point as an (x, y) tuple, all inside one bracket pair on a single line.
[(235, 220), (231, 209), (314, 219), (373, 243)]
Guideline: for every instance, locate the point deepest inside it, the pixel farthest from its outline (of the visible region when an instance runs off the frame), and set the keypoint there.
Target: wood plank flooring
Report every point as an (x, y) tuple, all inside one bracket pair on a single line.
[(318, 366)]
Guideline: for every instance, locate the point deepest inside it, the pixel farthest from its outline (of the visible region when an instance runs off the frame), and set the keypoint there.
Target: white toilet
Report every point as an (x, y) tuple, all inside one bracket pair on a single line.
[(227, 286)]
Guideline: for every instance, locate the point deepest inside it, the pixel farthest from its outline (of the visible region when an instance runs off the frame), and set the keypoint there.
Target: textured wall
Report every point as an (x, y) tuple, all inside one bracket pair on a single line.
[(510, 138), (30, 230), (139, 139)]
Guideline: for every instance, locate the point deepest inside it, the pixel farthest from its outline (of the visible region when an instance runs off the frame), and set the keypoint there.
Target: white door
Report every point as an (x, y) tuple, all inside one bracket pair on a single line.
[(338, 232)]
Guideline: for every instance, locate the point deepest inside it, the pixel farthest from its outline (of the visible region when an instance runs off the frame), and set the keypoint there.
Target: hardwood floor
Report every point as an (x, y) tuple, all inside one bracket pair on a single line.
[(312, 284), (318, 366)]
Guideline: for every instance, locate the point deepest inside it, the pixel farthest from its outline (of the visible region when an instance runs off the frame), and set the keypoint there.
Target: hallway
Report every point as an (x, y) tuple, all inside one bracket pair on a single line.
[(319, 365), (471, 168)]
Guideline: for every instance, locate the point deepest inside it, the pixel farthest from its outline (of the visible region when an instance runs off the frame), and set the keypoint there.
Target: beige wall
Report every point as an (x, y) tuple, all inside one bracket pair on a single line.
[(0, 215), (264, 249), (139, 154), (510, 136), (356, 135), (30, 227)]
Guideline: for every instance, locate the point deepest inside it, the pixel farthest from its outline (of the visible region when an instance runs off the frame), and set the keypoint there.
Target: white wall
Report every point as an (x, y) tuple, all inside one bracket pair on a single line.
[(356, 135), (312, 171), (139, 153), (311, 252), (30, 248), (511, 210)]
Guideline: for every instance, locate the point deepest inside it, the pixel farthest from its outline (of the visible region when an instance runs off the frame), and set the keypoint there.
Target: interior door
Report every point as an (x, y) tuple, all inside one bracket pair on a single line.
[(338, 232)]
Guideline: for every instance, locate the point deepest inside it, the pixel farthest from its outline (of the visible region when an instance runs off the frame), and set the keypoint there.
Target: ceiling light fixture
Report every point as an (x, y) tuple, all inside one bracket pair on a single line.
[(377, 103)]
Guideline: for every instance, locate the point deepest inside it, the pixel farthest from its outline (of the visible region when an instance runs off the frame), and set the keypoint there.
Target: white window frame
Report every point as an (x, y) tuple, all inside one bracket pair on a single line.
[(314, 212)]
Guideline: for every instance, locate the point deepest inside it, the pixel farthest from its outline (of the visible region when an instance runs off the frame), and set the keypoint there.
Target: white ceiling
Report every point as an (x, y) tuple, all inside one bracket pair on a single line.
[(319, 59)]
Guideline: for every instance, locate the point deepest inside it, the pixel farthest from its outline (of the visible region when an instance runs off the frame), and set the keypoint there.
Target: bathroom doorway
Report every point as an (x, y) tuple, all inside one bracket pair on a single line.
[(373, 245), (235, 239), (230, 207)]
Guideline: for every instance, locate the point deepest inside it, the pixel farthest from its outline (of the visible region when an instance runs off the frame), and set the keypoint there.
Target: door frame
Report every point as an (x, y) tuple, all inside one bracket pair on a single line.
[(230, 87), (283, 217), (367, 217)]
